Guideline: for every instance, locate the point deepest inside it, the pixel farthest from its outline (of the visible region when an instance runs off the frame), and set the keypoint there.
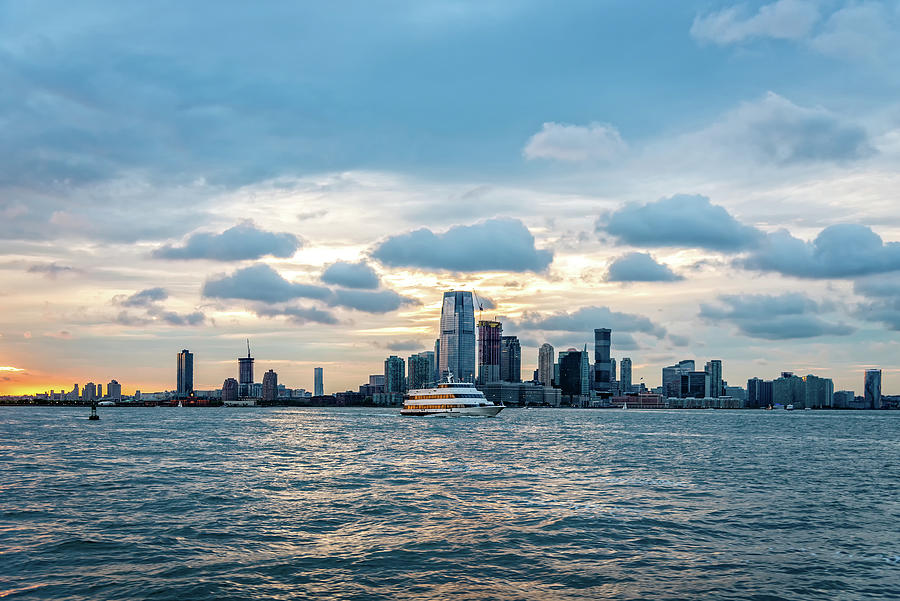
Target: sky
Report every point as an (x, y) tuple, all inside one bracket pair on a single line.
[(709, 179)]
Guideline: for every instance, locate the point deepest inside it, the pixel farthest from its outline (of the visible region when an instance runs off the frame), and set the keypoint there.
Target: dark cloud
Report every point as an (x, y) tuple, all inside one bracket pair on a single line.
[(158, 316), (623, 341), (51, 270), (260, 283), (779, 317), (241, 242), (882, 296), (381, 301), (297, 314), (351, 275), (640, 267), (681, 220), (484, 302), (588, 318), (493, 245), (679, 340), (839, 251), (144, 298), (405, 345)]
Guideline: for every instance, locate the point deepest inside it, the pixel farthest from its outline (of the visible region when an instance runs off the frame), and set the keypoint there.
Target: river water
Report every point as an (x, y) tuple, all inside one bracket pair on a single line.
[(196, 504)]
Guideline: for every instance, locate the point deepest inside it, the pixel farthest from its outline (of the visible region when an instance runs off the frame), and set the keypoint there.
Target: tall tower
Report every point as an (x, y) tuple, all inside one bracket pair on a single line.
[(458, 336), (872, 387), (185, 373), (714, 369), (603, 375), (625, 374), (245, 374), (510, 359), (318, 382), (270, 386), (394, 380), (545, 364), (489, 334)]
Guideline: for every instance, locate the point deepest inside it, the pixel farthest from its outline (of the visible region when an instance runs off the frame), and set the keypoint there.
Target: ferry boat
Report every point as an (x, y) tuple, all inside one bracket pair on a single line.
[(449, 399)]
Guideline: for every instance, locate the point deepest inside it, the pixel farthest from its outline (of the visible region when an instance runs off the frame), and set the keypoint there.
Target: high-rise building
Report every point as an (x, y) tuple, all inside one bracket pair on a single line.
[(574, 372), (89, 392), (318, 382), (420, 370), (394, 380), (270, 386), (185, 373), (99, 391), (625, 378), (871, 386), (245, 374), (437, 360), (694, 385), (789, 390), (510, 359), (759, 393), (714, 369), (114, 390), (819, 392), (671, 377), (603, 377), (489, 335), (545, 364), (457, 348), (230, 390)]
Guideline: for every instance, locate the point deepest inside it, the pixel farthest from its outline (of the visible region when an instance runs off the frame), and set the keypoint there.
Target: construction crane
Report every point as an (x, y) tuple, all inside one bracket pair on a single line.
[(480, 304)]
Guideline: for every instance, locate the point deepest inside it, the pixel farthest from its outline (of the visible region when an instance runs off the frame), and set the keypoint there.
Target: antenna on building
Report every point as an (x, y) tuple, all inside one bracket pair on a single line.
[(248, 348)]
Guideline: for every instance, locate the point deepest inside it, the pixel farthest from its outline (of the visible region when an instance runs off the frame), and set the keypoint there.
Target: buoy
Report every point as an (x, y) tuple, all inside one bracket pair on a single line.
[(93, 414)]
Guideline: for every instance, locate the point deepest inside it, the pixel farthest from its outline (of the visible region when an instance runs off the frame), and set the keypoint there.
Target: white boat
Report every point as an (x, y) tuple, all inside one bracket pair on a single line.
[(449, 399), (625, 405), (789, 407)]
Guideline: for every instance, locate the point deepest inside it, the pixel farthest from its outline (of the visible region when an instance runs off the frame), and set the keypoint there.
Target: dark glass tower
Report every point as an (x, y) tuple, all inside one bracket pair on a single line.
[(489, 335), (185, 375), (603, 369), (457, 346)]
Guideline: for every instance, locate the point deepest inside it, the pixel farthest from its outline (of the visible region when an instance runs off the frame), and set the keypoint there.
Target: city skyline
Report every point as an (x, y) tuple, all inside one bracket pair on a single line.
[(653, 176)]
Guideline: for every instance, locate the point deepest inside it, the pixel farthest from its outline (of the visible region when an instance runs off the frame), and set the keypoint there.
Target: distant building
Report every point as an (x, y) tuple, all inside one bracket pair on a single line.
[(318, 382), (603, 369), (437, 360), (99, 391), (759, 393), (185, 373), (420, 370), (457, 342), (270, 386), (394, 377), (510, 359), (625, 375), (114, 390), (245, 374), (545, 365), (489, 334), (714, 369), (842, 399), (521, 394), (818, 392), (872, 387), (695, 385), (736, 392), (89, 392), (574, 373), (789, 390), (230, 390), (671, 377)]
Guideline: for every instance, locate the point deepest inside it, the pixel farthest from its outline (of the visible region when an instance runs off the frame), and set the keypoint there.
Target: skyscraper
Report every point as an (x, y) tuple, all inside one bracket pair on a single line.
[(759, 393), (394, 380), (714, 369), (245, 374), (114, 390), (420, 370), (625, 374), (230, 390), (510, 359), (318, 382), (270, 386), (602, 365), (457, 348), (574, 372), (545, 364), (437, 360), (489, 335), (872, 387), (185, 373), (671, 377)]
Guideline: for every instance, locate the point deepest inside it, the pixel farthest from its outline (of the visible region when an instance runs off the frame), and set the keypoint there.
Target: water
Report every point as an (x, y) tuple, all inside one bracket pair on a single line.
[(200, 504)]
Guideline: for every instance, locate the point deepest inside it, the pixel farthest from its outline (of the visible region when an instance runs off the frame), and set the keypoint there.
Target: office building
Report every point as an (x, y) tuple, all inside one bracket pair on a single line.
[(759, 393), (99, 391), (89, 392), (510, 359), (842, 399), (671, 377), (625, 373), (230, 390), (185, 373), (545, 365), (420, 372), (114, 390), (818, 392), (394, 375), (437, 360), (714, 369), (789, 390), (245, 374), (574, 373), (318, 382), (603, 376), (489, 335), (270, 386), (694, 385), (457, 342), (872, 388)]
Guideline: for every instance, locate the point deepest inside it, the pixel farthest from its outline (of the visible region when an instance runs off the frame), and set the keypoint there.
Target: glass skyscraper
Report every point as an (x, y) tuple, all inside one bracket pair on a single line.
[(489, 334), (545, 364), (318, 382), (185, 375), (457, 348), (510, 359), (872, 387), (603, 368)]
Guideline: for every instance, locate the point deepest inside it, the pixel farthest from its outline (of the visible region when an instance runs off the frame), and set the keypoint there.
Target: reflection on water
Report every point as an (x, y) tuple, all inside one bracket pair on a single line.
[(361, 504)]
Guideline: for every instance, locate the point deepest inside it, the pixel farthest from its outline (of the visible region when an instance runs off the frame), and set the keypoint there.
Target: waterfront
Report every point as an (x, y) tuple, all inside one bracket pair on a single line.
[(357, 503)]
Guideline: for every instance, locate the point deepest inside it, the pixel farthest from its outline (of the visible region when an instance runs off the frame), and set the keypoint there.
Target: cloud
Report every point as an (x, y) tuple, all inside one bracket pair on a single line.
[(774, 317), (639, 267), (382, 301), (297, 314), (681, 220), (144, 298), (241, 242), (260, 283), (865, 30), (51, 270), (679, 340), (775, 130), (404, 345), (351, 275), (492, 245), (156, 315), (484, 302), (562, 142), (883, 296), (623, 341), (784, 19), (588, 318), (839, 251)]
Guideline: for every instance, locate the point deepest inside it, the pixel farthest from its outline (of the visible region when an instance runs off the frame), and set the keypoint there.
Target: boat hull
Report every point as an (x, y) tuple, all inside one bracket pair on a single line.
[(454, 412)]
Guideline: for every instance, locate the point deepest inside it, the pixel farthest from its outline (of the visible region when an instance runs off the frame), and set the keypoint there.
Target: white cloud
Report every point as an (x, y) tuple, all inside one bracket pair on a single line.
[(784, 19), (866, 31), (563, 142)]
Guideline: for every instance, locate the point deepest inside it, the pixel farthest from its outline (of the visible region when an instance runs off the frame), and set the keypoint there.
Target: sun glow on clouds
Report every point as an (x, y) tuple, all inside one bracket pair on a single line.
[(9, 368)]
